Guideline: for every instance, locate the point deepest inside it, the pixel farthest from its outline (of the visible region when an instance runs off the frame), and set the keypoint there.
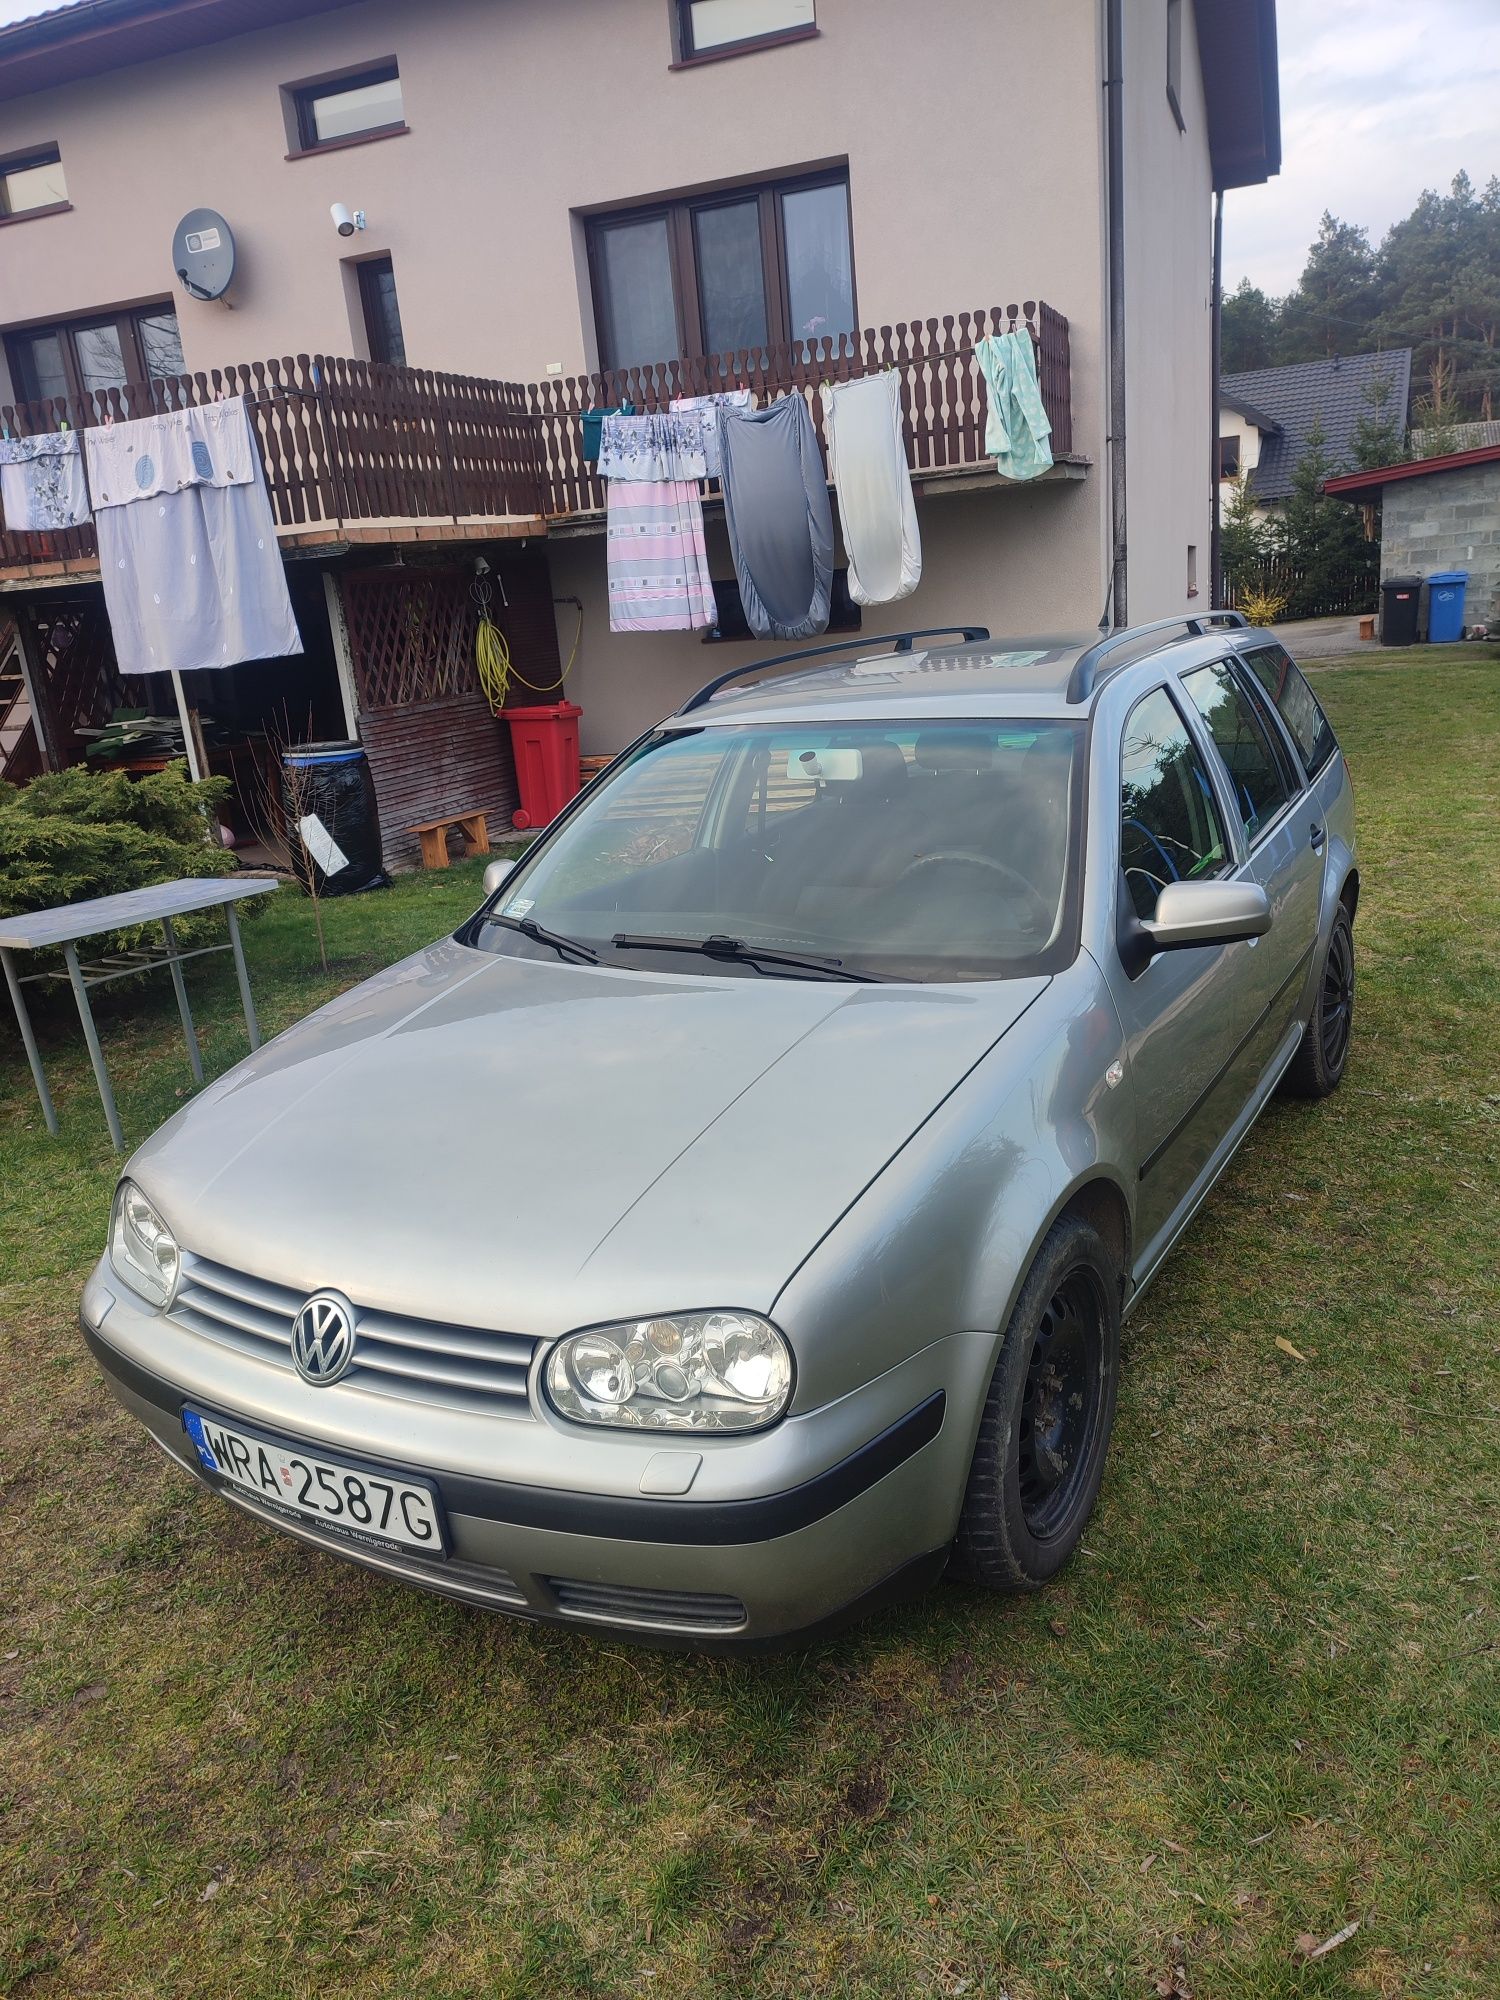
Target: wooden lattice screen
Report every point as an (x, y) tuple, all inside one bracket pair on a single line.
[(83, 684), (411, 635)]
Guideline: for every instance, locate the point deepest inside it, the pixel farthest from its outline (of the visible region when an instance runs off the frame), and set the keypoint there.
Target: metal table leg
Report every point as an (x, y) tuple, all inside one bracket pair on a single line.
[(28, 1040), (96, 1054), (242, 975), (179, 986)]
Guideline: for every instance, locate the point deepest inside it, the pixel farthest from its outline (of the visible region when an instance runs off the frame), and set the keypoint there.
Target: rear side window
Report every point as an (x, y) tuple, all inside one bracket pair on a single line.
[(1296, 704), (1170, 829), (1256, 774)]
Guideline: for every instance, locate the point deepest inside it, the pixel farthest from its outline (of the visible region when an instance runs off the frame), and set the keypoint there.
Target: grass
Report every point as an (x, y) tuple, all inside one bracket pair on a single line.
[(1261, 1705)]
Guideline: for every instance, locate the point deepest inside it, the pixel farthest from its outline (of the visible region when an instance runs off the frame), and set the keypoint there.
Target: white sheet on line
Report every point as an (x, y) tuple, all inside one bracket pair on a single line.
[(188, 556), (867, 459)]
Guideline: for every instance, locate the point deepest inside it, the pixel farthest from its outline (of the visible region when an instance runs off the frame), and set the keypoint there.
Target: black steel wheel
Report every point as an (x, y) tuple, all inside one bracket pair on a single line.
[(1060, 1404), (1318, 1065), (1044, 1430)]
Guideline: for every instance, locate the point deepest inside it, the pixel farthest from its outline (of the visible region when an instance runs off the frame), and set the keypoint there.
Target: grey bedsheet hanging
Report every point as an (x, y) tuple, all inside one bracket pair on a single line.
[(779, 520)]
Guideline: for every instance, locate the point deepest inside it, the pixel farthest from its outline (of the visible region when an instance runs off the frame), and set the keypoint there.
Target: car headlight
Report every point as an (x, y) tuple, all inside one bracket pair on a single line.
[(713, 1371), (142, 1250)]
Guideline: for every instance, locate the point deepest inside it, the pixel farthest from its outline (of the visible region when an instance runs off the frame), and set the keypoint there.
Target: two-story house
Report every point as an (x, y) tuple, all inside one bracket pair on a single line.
[(459, 224)]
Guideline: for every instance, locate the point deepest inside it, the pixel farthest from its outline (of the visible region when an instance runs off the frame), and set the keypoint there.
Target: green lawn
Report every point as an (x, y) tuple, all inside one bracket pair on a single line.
[(1262, 1705)]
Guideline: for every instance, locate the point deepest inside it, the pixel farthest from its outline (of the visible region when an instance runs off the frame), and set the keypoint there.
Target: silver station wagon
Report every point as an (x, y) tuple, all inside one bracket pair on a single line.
[(730, 1226)]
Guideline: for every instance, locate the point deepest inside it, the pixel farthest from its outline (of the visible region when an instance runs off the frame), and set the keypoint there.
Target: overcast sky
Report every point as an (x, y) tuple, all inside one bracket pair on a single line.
[(1379, 99)]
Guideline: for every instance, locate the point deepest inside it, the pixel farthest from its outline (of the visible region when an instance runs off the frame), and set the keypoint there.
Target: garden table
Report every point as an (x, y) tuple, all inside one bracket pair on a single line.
[(45, 930)]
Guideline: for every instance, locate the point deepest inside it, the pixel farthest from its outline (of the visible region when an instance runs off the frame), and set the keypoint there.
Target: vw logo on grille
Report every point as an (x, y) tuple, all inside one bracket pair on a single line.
[(323, 1338)]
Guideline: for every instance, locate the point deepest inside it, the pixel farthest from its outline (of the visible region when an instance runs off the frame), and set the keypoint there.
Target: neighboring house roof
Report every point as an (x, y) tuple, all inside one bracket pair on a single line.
[(1236, 52), (1367, 485), (1464, 437), (1333, 392), (1251, 412)]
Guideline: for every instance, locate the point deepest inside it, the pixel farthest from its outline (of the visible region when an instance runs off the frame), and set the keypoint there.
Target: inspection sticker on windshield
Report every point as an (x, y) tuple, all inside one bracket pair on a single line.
[(352, 1502), (519, 905)]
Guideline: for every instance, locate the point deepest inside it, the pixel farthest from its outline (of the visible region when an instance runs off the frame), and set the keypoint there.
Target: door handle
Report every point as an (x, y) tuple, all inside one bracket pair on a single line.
[(1317, 835)]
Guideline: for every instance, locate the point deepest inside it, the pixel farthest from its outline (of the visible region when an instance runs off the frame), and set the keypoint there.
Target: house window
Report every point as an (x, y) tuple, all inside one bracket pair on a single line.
[(1229, 458), (338, 110), (1174, 61), (377, 292), (713, 273), (724, 27), (32, 182), (99, 352)]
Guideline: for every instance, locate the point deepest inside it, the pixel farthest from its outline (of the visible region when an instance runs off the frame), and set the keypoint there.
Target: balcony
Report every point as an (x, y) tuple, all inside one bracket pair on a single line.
[(357, 452)]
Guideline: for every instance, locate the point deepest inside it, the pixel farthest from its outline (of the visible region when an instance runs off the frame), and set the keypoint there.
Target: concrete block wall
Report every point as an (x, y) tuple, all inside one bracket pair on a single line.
[(1448, 521)]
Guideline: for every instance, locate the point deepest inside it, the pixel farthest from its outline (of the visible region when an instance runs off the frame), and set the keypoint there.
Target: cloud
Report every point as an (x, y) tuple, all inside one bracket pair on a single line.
[(1379, 99)]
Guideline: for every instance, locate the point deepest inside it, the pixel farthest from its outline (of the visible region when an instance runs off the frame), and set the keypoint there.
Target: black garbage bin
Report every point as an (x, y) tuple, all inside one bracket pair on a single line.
[(1399, 599), (333, 821)]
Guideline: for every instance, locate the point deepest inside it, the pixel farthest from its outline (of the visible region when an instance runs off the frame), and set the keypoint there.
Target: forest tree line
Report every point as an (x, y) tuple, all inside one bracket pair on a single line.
[(1432, 284)]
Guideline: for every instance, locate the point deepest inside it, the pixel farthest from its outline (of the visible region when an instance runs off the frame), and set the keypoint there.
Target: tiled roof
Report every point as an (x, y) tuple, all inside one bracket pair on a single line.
[(1297, 397)]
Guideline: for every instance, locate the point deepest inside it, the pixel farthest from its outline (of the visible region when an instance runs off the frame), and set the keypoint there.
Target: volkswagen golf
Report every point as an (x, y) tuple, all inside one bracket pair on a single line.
[(731, 1224)]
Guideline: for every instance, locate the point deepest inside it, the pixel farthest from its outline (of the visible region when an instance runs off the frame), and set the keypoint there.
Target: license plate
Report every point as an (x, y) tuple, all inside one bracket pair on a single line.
[(351, 1501)]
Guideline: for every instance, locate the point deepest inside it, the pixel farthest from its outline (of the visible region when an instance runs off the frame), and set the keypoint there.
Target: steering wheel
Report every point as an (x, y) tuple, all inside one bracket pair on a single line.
[(969, 858)]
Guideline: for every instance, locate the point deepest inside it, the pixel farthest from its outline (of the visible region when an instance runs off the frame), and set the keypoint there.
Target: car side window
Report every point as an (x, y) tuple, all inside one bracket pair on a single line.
[(1170, 827), (1294, 701), (1257, 775)]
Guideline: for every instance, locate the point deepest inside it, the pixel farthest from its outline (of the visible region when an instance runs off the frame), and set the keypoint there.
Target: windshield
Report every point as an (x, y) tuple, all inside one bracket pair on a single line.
[(917, 851)]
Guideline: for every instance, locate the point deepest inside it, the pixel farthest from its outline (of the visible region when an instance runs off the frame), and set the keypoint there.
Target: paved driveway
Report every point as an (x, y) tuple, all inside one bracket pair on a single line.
[(1316, 638)]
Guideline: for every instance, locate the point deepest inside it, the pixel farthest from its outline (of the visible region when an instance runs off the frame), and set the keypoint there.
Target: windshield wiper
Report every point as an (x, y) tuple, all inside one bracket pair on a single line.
[(564, 946), (737, 950)]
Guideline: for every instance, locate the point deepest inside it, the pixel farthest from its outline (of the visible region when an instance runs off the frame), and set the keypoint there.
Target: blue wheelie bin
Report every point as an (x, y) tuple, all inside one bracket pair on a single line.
[(1445, 606)]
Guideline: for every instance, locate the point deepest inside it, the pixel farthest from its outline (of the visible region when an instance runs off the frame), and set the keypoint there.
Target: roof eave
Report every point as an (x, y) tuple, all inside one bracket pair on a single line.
[(1242, 90)]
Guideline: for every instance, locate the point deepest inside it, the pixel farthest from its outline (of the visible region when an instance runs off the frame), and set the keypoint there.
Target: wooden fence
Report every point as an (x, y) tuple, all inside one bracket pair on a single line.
[(346, 441), (1341, 593)]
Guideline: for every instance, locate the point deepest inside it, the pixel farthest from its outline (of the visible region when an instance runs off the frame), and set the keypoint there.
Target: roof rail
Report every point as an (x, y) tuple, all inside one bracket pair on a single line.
[(895, 642), (1086, 676)]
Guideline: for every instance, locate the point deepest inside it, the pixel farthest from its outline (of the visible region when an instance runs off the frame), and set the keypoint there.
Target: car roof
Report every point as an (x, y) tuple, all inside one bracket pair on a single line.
[(1035, 675), (1027, 674)]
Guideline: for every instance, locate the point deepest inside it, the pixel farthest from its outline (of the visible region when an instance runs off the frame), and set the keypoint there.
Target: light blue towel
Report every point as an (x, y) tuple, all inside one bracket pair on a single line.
[(1018, 428)]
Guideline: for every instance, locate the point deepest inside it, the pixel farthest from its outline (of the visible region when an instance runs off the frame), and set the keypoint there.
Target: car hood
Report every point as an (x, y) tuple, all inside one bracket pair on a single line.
[(506, 1142)]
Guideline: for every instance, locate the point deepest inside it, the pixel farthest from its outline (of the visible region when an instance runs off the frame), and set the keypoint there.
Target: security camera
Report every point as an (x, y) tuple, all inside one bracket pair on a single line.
[(345, 222)]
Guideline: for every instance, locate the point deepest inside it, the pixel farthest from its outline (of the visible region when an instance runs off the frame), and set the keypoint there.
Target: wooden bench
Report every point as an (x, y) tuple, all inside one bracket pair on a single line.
[(432, 834)]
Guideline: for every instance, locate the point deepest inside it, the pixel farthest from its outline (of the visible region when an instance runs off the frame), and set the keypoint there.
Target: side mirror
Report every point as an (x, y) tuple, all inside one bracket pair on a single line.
[(1199, 913), (495, 874)]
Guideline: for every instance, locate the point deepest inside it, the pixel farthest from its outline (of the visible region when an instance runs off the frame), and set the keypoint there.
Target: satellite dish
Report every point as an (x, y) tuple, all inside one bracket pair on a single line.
[(203, 253)]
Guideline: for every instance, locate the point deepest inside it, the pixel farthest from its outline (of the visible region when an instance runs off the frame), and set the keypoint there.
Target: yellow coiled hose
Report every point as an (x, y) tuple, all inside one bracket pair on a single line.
[(492, 654)]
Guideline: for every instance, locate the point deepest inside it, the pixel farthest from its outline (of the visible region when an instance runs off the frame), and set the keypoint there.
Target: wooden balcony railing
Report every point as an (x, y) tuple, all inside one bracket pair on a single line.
[(349, 441), (943, 406)]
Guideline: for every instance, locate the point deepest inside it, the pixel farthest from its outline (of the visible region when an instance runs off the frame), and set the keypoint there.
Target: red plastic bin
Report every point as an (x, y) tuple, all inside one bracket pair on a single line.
[(545, 743)]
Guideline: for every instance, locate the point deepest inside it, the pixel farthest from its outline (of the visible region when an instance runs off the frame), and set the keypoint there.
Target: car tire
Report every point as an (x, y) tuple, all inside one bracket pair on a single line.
[(1045, 1428), (1317, 1067)]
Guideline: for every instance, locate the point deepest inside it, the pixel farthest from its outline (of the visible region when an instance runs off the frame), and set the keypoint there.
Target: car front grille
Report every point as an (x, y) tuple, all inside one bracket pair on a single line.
[(418, 1360), (629, 1604)]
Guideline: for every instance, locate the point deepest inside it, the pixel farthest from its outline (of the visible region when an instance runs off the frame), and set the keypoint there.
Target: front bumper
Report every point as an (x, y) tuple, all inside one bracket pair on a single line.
[(780, 1535)]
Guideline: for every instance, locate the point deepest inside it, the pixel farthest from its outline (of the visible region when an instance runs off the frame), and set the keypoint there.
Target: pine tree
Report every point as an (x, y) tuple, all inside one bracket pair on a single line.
[(1380, 434), (1247, 329), (1336, 296), (1243, 538), (1324, 539)]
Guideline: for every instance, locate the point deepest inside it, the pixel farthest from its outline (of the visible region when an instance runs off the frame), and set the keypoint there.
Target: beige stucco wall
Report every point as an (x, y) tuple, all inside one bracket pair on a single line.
[(523, 112), (974, 141), (1168, 303), (996, 557)]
